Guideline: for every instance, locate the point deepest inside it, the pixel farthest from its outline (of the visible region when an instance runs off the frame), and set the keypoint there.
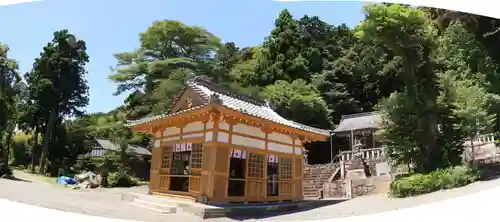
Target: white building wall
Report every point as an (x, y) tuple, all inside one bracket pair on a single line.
[(224, 126), (280, 137), (210, 124), (248, 142), (190, 136), (194, 126), (280, 148), (223, 137), (208, 136), (171, 131), (249, 130)]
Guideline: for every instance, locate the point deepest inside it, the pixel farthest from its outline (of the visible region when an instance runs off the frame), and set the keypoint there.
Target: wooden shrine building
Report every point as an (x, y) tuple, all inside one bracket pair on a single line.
[(360, 128), (218, 146)]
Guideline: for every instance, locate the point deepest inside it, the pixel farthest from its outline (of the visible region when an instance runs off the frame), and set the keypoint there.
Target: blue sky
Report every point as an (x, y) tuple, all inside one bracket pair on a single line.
[(111, 26)]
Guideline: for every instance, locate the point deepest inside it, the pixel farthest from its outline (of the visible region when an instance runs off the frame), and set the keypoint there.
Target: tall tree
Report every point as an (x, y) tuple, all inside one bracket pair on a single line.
[(9, 78), (294, 99), (283, 60), (60, 83), (156, 72), (472, 76), (33, 115), (410, 35)]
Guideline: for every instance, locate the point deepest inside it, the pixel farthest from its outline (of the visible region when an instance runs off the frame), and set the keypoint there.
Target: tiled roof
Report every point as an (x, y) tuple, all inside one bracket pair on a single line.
[(237, 102), (359, 121), (108, 145)]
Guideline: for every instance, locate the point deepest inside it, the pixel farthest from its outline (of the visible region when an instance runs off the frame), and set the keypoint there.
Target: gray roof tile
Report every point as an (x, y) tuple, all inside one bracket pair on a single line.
[(237, 102), (359, 121), (108, 145)]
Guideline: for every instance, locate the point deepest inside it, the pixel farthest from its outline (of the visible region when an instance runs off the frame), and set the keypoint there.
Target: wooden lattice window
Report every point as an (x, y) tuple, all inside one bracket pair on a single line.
[(255, 165), (166, 156), (285, 169), (196, 156)]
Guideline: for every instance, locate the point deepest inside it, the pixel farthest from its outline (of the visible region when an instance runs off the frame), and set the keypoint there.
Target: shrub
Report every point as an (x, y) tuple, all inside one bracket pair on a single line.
[(125, 180), (418, 184)]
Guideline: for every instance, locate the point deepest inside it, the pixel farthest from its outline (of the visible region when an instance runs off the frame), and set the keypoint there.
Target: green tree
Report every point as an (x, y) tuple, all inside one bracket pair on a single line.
[(282, 55), (59, 83), (472, 75), (33, 115), (473, 103), (294, 99), (9, 78), (460, 51), (410, 35), (156, 72)]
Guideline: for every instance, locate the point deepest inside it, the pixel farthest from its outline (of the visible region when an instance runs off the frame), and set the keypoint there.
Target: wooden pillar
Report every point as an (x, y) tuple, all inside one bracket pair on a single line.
[(156, 155), (208, 162), (219, 167)]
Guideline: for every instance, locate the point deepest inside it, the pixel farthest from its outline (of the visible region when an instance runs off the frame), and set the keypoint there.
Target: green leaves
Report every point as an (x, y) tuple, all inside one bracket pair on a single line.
[(9, 105), (294, 99), (158, 69)]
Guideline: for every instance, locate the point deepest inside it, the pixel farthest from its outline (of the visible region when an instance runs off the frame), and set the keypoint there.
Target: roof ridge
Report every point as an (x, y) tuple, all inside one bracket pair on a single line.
[(355, 115), (226, 91)]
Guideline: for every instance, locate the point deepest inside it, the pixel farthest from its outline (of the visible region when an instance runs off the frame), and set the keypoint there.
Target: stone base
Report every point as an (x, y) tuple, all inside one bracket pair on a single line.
[(356, 174)]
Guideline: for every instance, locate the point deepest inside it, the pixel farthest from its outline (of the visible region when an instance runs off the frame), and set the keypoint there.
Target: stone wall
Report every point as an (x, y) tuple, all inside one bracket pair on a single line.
[(335, 189), (358, 187), (370, 185)]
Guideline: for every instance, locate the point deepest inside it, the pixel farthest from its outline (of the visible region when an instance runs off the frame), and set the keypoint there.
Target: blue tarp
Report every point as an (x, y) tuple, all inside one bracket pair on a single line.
[(65, 180)]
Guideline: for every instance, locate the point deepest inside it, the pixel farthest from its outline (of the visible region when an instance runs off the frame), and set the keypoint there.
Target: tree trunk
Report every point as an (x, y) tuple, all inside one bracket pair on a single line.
[(473, 151), (8, 140), (34, 151), (46, 140)]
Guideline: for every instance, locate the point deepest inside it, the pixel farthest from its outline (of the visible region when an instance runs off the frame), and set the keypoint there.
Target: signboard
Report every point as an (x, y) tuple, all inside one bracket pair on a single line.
[(183, 147)]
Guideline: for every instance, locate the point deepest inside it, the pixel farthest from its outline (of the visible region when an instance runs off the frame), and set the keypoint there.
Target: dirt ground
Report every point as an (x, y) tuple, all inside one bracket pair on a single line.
[(35, 190)]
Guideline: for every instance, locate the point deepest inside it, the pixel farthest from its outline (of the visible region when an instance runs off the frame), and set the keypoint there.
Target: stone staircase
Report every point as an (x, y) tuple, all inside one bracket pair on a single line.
[(315, 176)]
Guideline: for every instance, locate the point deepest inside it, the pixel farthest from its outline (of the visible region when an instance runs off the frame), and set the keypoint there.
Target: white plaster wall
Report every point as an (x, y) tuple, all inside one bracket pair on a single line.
[(248, 142), (298, 142), (171, 131), (298, 150), (194, 126), (222, 137), (249, 130), (223, 125), (210, 124), (279, 148), (171, 138), (196, 135), (208, 136), (280, 137)]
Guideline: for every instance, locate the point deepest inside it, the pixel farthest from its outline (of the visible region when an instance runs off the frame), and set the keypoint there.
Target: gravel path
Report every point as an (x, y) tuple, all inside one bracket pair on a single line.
[(108, 203)]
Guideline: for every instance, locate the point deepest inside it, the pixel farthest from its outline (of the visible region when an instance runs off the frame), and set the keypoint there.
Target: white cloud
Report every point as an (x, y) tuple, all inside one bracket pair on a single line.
[(13, 2)]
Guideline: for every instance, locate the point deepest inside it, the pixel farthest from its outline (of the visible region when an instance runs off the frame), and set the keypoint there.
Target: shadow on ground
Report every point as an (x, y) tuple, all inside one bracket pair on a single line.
[(15, 179), (489, 170), (267, 210)]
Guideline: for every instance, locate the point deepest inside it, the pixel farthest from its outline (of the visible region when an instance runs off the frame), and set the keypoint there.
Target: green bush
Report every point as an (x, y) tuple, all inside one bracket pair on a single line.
[(418, 184), (115, 180)]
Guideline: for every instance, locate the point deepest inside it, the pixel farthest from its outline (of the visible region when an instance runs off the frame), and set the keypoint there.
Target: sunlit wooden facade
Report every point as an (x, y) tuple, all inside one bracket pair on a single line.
[(217, 146)]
